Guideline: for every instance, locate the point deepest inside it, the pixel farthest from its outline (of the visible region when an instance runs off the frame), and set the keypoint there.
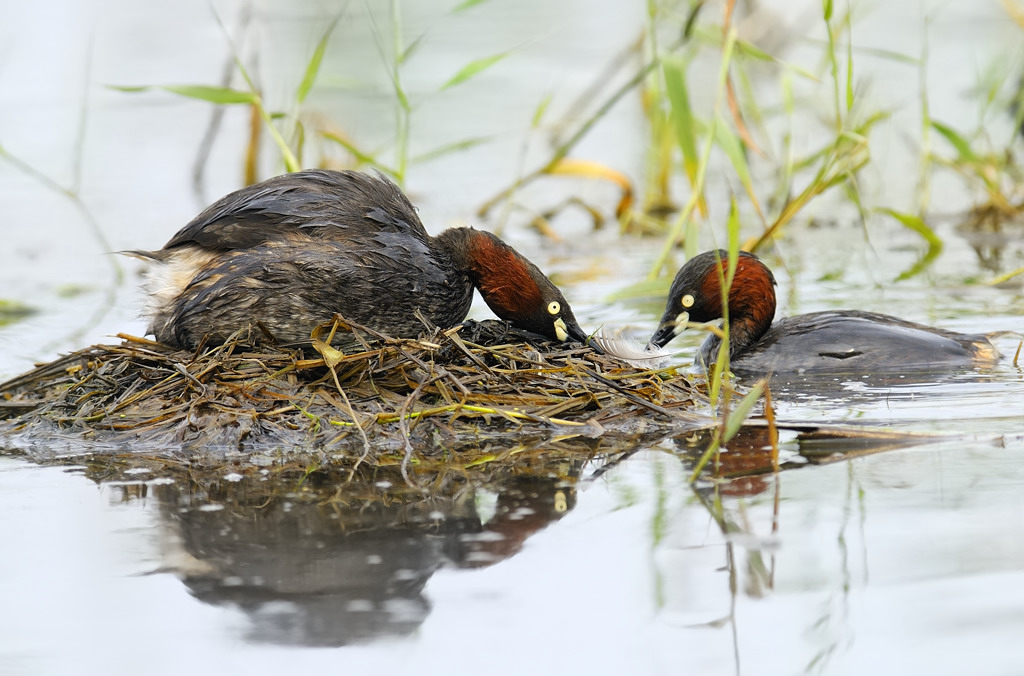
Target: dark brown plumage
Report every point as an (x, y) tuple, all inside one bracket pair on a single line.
[(288, 253), (848, 342)]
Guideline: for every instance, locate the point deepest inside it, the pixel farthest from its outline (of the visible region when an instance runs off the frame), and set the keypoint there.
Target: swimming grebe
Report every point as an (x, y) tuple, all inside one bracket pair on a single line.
[(284, 255), (847, 342)]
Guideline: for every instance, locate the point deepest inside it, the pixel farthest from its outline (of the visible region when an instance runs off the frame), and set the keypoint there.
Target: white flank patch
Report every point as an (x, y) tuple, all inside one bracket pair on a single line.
[(165, 280)]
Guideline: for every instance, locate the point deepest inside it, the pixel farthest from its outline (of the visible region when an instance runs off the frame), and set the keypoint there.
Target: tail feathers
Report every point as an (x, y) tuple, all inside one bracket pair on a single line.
[(147, 256)]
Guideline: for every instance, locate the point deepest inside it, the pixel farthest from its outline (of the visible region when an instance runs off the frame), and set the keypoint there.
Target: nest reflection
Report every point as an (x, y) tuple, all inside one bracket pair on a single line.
[(321, 554)]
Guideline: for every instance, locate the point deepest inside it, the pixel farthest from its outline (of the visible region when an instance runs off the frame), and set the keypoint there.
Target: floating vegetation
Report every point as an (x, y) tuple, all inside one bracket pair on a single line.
[(469, 406), (386, 401), (12, 311)]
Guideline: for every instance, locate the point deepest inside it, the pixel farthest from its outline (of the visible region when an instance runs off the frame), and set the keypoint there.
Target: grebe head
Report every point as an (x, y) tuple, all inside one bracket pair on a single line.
[(696, 296), (513, 287)]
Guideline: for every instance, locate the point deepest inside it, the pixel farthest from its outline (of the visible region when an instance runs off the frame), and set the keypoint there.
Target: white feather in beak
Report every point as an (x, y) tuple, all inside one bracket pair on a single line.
[(629, 350)]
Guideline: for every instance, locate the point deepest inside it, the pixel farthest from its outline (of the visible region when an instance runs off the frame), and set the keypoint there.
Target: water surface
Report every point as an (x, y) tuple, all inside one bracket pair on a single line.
[(899, 556)]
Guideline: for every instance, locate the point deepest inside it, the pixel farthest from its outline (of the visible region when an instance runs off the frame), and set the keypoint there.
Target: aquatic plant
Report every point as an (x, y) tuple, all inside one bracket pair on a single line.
[(287, 129)]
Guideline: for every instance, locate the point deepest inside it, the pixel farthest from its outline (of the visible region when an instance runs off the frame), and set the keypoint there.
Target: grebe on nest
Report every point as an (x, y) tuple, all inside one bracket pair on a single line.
[(284, 255)]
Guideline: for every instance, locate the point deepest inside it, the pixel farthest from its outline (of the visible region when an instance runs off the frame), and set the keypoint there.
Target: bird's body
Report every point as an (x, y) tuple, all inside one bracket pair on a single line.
[(851, 343), (287, 254), (832, 342)]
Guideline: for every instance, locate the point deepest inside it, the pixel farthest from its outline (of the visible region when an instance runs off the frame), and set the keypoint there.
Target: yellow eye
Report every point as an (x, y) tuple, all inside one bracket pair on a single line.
[(554, 308), (688, 300)]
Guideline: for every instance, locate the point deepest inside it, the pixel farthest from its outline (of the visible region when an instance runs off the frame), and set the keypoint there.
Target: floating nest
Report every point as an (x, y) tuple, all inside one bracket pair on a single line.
[(478, 386)]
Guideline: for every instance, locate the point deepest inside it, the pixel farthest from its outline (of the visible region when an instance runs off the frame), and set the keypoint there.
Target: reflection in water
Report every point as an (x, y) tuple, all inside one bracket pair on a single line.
[(313, 557), (708, 570), (984, 229), (746, 465), (870, 388), (328, 562)]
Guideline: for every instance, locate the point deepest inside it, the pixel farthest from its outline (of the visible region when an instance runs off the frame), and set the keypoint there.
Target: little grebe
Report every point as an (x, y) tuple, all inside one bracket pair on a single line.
[(828, 342), (286, 254)]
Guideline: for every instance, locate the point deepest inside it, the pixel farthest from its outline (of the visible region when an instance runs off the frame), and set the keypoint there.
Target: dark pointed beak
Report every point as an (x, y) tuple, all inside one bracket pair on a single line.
[(592, 344), (577, 333), (663, 336)]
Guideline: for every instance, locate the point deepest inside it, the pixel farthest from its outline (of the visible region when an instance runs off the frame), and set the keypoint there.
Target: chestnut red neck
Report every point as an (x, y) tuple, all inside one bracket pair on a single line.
[(513, 287), (505, 279), (752, 300)]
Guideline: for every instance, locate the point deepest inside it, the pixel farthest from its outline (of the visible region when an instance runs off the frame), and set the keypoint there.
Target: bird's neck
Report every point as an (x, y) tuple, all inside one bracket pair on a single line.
[(751, 305), (496, 269), (744, 332)]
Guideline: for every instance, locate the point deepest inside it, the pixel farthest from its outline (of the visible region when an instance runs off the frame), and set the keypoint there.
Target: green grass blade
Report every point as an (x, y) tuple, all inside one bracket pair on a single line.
[(538, 113), (683, 220), (963, 148), (749, 49), (691, 235), (403, 99), (921, 264), (733, 230), (313, 67), (466, 4), (220, 95), (921, 228), (887, 54), (925, 162), (674, 71), (360, 155), (916, 224), (709, 453), (721, 372), (849, 65), (291, 163), (411, 48), (472, 69), (742, 410), (733, 149), (1005, 277), (392, 68), (449, 148)]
